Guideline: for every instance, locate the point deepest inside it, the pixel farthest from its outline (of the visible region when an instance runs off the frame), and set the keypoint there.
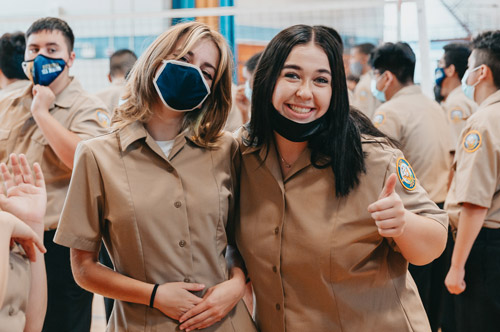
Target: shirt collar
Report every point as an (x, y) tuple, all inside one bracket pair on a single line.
[(407, 90), (491, 99), (67, 96)]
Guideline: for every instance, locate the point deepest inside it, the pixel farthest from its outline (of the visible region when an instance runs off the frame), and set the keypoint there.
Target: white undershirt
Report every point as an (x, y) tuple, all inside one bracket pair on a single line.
[(166, 146)]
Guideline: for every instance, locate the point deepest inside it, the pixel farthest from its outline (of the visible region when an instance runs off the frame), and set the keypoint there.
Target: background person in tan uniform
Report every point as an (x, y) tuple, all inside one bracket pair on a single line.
[(473, 202), (359, 66), (325, 228), (418, 123), (12, 77), (46, 121), (120, 64), (457, 106), (23, 285), (160, 191)]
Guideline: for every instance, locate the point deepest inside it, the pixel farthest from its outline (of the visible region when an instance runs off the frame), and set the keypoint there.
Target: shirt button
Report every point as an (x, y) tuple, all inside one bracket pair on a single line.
[(177, 204), (278, 307), (275, 269), (187, 280), (11, 311), (170, 169), (276, 230), (182, 243)]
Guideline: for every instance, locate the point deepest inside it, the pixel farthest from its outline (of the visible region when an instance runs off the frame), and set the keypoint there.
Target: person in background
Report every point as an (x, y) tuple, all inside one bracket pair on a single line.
[(448, 89), (359, 66), (473, 201), (23, 284), (352, 81), (419, 124), (160, 192), (244, 92), (325, 228), (12, 77), (120, 64), (46, 120)]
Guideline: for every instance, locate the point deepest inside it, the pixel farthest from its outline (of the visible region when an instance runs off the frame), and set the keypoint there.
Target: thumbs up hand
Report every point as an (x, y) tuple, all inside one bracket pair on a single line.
[(388, 211)]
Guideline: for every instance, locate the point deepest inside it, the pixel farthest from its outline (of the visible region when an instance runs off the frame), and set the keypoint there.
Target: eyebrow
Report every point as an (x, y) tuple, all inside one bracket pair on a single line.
[(206, 64), (291, 66), (48, 44)]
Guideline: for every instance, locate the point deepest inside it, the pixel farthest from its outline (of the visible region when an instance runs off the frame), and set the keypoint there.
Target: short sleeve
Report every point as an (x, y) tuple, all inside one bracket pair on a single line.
[(91, 121), (414, 197), (80, 222), (388, 122), (476, 167)]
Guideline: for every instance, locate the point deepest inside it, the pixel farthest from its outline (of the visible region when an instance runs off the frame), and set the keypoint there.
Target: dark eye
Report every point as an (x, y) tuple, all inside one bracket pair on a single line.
[(291, 75), (184, 59), (322, 80), (207, 75)]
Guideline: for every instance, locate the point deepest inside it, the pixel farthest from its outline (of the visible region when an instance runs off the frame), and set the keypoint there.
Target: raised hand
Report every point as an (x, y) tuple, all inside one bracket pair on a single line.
[(25, 195), (388, 211)]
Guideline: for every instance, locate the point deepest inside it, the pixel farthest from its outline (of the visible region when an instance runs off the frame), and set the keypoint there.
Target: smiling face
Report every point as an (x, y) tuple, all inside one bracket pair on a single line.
[(303, 90)]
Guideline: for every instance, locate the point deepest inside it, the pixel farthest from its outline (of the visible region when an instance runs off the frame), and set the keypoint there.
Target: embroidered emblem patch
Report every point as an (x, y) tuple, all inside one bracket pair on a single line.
[(456, 115), (405, 174), (103, 118), (363, 94), (379, 119), (472, 141)]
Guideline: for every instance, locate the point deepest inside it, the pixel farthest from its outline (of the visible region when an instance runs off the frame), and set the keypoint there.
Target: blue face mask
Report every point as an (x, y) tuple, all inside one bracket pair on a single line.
[(181, 86), (356, 68), (469, 89), (380, 95), (439, 76), (248, 91), (43, 70)]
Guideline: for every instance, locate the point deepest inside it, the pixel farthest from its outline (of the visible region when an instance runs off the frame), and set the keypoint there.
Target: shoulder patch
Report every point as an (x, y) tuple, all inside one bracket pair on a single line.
[(103, 118), (472, 141), (405, 174), (379, 119), (456, 115), (363, 94)]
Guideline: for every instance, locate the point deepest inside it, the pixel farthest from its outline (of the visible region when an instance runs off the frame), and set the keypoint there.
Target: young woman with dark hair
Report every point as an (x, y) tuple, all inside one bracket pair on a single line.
[(326, 230)]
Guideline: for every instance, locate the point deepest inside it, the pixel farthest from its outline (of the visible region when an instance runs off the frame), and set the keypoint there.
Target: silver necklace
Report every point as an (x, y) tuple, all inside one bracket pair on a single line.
[(287, 165)]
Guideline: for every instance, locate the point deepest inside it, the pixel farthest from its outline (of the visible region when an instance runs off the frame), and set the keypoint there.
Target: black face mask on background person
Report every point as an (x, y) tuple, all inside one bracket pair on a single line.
[(437, 93), (294, 131)]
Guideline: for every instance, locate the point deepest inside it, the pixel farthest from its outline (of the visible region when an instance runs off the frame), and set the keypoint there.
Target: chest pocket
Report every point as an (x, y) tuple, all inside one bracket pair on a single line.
[(4, 134)]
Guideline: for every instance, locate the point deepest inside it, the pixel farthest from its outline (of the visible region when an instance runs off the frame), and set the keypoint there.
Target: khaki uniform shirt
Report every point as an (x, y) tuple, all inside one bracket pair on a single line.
[(111, 95), (13, 311), (317, 262), (418, 123), (458, 109), (76, 110), (477, 164), (363, 97), (162, 219), (17, 85)]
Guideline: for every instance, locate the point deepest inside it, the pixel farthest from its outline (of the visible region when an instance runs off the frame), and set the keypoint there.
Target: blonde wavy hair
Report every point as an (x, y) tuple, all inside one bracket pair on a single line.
[(207, 123)]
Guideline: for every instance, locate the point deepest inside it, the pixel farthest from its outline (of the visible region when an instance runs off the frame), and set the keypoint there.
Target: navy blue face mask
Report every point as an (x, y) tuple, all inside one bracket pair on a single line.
[(181, 86), (43, 70), (295, 131), (439, 76)]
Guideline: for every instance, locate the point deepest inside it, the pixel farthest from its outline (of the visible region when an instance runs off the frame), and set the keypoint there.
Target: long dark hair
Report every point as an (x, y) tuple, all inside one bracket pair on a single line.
[(339, 145)]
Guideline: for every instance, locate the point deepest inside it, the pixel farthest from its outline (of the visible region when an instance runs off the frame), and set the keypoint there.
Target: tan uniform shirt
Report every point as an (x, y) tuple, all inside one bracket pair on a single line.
[(163, 219), (76, 110), (458, 109), (418, 123), (317, 262), (13, 311), (363, 97), (477, 164), (111, 95), (17, 85)]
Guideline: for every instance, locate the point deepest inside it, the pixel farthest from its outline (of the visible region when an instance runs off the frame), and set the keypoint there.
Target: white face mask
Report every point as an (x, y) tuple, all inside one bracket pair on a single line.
[(380, 95), (469, 90)]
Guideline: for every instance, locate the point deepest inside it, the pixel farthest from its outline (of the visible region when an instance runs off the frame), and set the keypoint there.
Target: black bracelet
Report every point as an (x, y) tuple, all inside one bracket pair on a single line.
[(153, 294)]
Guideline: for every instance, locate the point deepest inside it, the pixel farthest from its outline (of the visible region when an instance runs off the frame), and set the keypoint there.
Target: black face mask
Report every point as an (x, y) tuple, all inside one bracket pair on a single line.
[(437, 93), (294, 131)]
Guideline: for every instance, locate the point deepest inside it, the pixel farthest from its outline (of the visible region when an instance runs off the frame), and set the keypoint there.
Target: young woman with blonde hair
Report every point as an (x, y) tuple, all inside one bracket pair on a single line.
[(160, 190)]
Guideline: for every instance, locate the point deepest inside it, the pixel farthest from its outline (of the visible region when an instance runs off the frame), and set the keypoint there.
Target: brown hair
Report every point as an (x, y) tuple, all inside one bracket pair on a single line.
[(141, 95)]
